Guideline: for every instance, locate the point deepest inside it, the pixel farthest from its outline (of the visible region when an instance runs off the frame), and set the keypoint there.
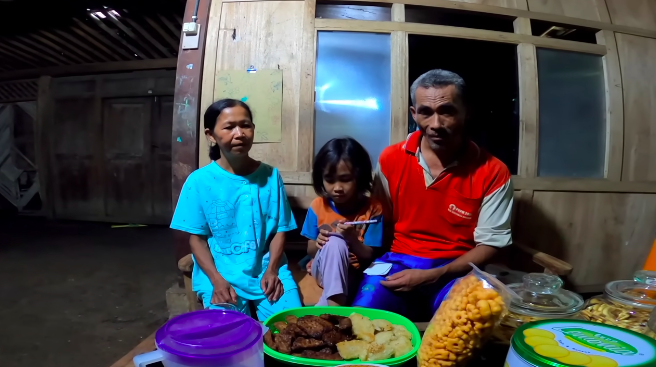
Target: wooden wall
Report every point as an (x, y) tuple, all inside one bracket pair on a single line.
[(583, 221), (105, 146)]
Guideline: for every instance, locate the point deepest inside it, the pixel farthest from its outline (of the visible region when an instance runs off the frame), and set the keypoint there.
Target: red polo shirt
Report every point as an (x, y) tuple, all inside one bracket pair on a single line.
[(468, 204)]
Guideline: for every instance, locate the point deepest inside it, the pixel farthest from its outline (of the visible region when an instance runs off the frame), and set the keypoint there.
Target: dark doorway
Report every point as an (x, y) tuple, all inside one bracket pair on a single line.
[(490, 71)]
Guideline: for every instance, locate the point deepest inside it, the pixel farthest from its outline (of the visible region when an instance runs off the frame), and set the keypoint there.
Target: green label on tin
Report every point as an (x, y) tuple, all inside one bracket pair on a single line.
[(598, 341)]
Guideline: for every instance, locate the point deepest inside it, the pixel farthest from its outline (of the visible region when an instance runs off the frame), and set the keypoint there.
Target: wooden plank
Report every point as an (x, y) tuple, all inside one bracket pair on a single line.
[(92, 68), (614, 107), (511, 4), (400, 79), (522, 26), (305, 145), (584, 9), (185, 115), (637, 56), (42, 125), (90, 52), (209, 68), (245, 28), (24, 57), (136, 52), (483, 8), (456, 32), (584, 228), (528, 110), (176, 31), (633, 13), (66, 46), (582, 185), (138, 40), (91, 40), (69, 56), (146, 345), (97, 35), (172, 42), (35, 52), (150, 38)]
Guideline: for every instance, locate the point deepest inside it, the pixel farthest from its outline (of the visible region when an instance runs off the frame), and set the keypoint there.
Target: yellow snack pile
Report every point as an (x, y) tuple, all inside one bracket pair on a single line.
[(463, 322), (544, 344)]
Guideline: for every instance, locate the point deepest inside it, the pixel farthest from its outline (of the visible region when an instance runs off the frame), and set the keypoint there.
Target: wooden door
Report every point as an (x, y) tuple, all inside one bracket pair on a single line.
[(75, 160), (127, 154), (161, 158)]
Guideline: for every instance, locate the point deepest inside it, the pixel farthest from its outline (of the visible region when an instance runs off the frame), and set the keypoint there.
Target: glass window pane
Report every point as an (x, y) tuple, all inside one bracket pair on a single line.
[(572, 137), (353, 88)]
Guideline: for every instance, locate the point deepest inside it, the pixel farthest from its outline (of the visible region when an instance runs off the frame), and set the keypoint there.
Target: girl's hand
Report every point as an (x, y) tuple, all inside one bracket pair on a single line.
[(347, 231), (308, 267), (272, 286), (322, 239), (223, 293)]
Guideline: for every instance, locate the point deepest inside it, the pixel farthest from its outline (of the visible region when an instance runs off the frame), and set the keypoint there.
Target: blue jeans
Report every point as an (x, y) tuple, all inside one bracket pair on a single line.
[(372, 294)]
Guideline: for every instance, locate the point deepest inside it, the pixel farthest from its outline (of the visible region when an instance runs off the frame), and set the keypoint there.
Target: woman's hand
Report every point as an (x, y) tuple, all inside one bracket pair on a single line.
[(223, 292), (322, 239), (272, 286)]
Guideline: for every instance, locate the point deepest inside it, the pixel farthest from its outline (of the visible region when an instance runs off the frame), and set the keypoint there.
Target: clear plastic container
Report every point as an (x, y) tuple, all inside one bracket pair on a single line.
[(625, 303), (652, 325), (541, 297)]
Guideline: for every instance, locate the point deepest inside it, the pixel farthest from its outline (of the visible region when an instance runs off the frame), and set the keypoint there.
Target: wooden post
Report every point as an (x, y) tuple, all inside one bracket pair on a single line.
[(400, 82), (42, 124), (184, 146)]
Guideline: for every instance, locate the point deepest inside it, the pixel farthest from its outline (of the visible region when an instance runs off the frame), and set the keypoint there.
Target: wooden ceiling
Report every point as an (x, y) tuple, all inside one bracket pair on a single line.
[(44, 33)]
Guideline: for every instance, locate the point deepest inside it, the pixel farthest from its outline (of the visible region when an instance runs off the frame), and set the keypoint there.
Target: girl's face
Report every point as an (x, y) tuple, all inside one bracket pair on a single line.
[(341, 185), (233, 132)]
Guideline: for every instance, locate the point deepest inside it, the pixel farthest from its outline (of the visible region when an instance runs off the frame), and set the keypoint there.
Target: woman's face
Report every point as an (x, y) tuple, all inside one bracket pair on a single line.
[(233, 132)]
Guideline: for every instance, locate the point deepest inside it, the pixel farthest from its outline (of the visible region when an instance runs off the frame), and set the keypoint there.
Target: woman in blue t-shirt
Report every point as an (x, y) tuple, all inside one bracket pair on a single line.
[(237, 213)]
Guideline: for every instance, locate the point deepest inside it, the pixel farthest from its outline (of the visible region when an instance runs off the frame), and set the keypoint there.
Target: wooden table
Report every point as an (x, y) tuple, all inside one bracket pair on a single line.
[(492, 355)]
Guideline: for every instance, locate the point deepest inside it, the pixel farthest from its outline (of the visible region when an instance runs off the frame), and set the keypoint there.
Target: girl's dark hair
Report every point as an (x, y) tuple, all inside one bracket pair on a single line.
[(212, 115), (342, 149)]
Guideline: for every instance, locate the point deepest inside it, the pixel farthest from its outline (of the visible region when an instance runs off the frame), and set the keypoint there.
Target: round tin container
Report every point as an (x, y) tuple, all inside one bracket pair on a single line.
[(575, 343)]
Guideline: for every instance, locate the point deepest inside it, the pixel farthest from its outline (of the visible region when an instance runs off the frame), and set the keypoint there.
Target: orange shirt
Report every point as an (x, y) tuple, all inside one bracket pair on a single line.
[(322, 214)]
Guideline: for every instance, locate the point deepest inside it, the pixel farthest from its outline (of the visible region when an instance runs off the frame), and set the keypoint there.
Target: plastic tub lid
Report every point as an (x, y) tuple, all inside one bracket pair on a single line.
[(209, 334), (543, 295)]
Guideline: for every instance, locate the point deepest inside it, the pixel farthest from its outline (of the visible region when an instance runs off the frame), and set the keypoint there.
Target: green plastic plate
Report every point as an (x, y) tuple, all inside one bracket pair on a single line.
[(395, 319)]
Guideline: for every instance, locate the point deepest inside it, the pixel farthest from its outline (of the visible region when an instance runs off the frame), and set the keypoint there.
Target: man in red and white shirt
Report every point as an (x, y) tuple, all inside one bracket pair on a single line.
[(448, 200)]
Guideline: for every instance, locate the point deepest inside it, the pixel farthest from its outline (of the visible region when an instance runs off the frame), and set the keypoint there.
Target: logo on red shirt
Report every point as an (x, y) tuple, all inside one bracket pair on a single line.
[(453, 209)]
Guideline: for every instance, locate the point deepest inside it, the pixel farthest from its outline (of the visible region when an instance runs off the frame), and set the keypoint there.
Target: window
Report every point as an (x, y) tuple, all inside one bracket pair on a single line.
[(353, 88), (490, 72), (357, 11), (458, 18), (572, 136)]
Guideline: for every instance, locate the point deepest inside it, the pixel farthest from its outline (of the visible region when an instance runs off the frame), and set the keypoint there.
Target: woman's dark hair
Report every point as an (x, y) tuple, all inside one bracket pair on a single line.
[(342, 149), (212, 115)]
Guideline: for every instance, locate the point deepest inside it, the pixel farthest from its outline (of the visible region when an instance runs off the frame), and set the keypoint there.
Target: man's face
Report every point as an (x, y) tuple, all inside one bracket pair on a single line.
[(440, 115)]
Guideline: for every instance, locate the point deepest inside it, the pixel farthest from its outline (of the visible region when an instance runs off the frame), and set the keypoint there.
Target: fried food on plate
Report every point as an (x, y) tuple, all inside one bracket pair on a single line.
[(345, 326), (291, 319), (382, 325), (377, 352), (268, 340), (314, 326), (333, 337), (384, 337), (284, 342), (352, 349), (334, 319), (362, 327), (400, 331), (321, 355), (280, 325), (401, 346), (303, 343)]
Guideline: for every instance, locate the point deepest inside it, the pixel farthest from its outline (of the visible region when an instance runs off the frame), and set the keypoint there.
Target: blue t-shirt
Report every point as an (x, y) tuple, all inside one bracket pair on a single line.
[(240, 215)]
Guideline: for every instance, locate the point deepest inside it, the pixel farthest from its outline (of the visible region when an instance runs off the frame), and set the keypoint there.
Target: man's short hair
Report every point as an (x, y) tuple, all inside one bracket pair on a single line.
[(437, 78)]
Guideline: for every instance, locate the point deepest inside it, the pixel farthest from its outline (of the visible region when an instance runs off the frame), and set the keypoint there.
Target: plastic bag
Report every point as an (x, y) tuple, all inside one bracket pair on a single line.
[(465, 320)]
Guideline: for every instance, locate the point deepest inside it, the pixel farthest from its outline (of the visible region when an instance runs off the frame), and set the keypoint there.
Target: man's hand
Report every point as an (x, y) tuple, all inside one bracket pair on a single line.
[(322, 239), (407, 280), (223, 292), (347, 231), (272, 286)]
